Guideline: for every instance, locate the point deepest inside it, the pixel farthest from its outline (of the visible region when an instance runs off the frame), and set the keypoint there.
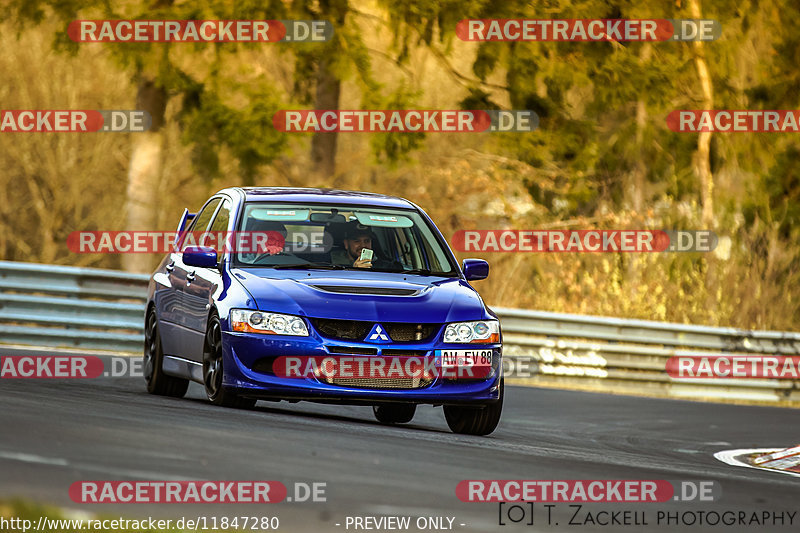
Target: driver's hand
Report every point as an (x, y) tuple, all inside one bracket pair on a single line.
[(362, 263)]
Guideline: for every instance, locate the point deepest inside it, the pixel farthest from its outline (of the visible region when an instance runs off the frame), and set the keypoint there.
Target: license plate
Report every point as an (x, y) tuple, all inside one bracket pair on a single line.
[(465, 358)]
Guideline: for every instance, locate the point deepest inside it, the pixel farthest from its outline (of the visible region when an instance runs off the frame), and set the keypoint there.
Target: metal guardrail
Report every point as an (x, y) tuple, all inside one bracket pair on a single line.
[(88, 308), (630, 356), (48, 305)]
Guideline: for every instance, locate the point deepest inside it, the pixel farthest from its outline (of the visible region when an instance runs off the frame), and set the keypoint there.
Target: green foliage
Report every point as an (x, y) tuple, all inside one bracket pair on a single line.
[(207, 118), (247, 132), (395, 146)]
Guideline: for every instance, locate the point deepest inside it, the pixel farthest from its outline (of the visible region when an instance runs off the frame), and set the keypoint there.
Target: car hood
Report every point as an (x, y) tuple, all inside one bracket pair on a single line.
[(369, 296)]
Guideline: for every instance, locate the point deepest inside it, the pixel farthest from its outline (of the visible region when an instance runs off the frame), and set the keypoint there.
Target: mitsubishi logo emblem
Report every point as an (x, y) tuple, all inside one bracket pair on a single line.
[(378, 334)]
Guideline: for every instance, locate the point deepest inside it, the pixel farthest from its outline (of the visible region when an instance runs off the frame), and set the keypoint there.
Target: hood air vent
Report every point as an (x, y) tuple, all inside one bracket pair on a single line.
[(378, 291)]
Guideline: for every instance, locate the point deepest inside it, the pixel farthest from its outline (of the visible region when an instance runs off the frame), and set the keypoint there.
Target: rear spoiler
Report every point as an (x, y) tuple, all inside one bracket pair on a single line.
[(186, 217)]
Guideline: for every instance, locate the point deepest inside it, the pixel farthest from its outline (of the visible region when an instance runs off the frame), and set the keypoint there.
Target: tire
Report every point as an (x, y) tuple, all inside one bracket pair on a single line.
[(475, 420), (152, 361), (213, 371), (394, 413)]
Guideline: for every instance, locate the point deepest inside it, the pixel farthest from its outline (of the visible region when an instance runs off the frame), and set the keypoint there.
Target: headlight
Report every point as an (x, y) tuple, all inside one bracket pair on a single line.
[(482, 331), (247, 321)]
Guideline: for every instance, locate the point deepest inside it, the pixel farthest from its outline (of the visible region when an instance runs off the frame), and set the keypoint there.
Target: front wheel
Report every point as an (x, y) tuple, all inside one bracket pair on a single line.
[(394, 413), (475, 420), (157, 381), (213, 371)]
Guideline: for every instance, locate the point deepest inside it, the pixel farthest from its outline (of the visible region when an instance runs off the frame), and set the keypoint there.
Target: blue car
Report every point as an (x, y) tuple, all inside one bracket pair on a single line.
[(326, 296)]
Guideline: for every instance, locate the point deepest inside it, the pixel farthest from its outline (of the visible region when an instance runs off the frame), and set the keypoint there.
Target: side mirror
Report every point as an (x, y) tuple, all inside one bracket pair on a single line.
[(200, 256), (475, 269)]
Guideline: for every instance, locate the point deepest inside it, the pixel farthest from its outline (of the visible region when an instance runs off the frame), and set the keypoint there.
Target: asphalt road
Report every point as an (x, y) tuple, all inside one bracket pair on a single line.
[(56, 432)]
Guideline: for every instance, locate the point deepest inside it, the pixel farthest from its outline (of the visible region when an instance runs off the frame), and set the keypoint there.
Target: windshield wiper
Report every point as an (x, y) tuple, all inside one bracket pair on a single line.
[(308, 265), (420, 271), (428, 272)]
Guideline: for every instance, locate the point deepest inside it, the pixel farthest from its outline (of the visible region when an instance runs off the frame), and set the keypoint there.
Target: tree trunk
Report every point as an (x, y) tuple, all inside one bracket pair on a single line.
[(640, 166), (323, 144), (144, 172), (639, 178), (703, 168), (703, 155)]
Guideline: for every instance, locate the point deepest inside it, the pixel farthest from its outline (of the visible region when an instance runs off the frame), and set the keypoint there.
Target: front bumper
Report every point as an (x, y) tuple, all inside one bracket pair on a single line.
[(245, 352)]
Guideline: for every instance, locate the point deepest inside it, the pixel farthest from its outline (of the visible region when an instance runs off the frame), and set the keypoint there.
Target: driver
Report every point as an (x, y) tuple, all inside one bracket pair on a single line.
[(356, 238)]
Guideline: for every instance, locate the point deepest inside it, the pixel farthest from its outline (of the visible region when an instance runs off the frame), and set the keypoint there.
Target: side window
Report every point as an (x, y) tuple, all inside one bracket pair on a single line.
[(220, 224), (200, 222), (223, 216)]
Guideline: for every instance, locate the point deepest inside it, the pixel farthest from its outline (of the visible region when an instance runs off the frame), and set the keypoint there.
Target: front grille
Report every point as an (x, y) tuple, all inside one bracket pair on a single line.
[(403, 332), (404, 353), (352, 350), (380, 291), (342, 329), (358, 329), (379, 383)]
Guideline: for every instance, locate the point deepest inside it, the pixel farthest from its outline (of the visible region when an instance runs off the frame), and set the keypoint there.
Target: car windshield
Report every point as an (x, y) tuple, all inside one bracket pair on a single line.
[(295, 236)]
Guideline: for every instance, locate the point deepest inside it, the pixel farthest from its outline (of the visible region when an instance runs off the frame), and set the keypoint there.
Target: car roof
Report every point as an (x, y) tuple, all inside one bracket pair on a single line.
[(321, 196)]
